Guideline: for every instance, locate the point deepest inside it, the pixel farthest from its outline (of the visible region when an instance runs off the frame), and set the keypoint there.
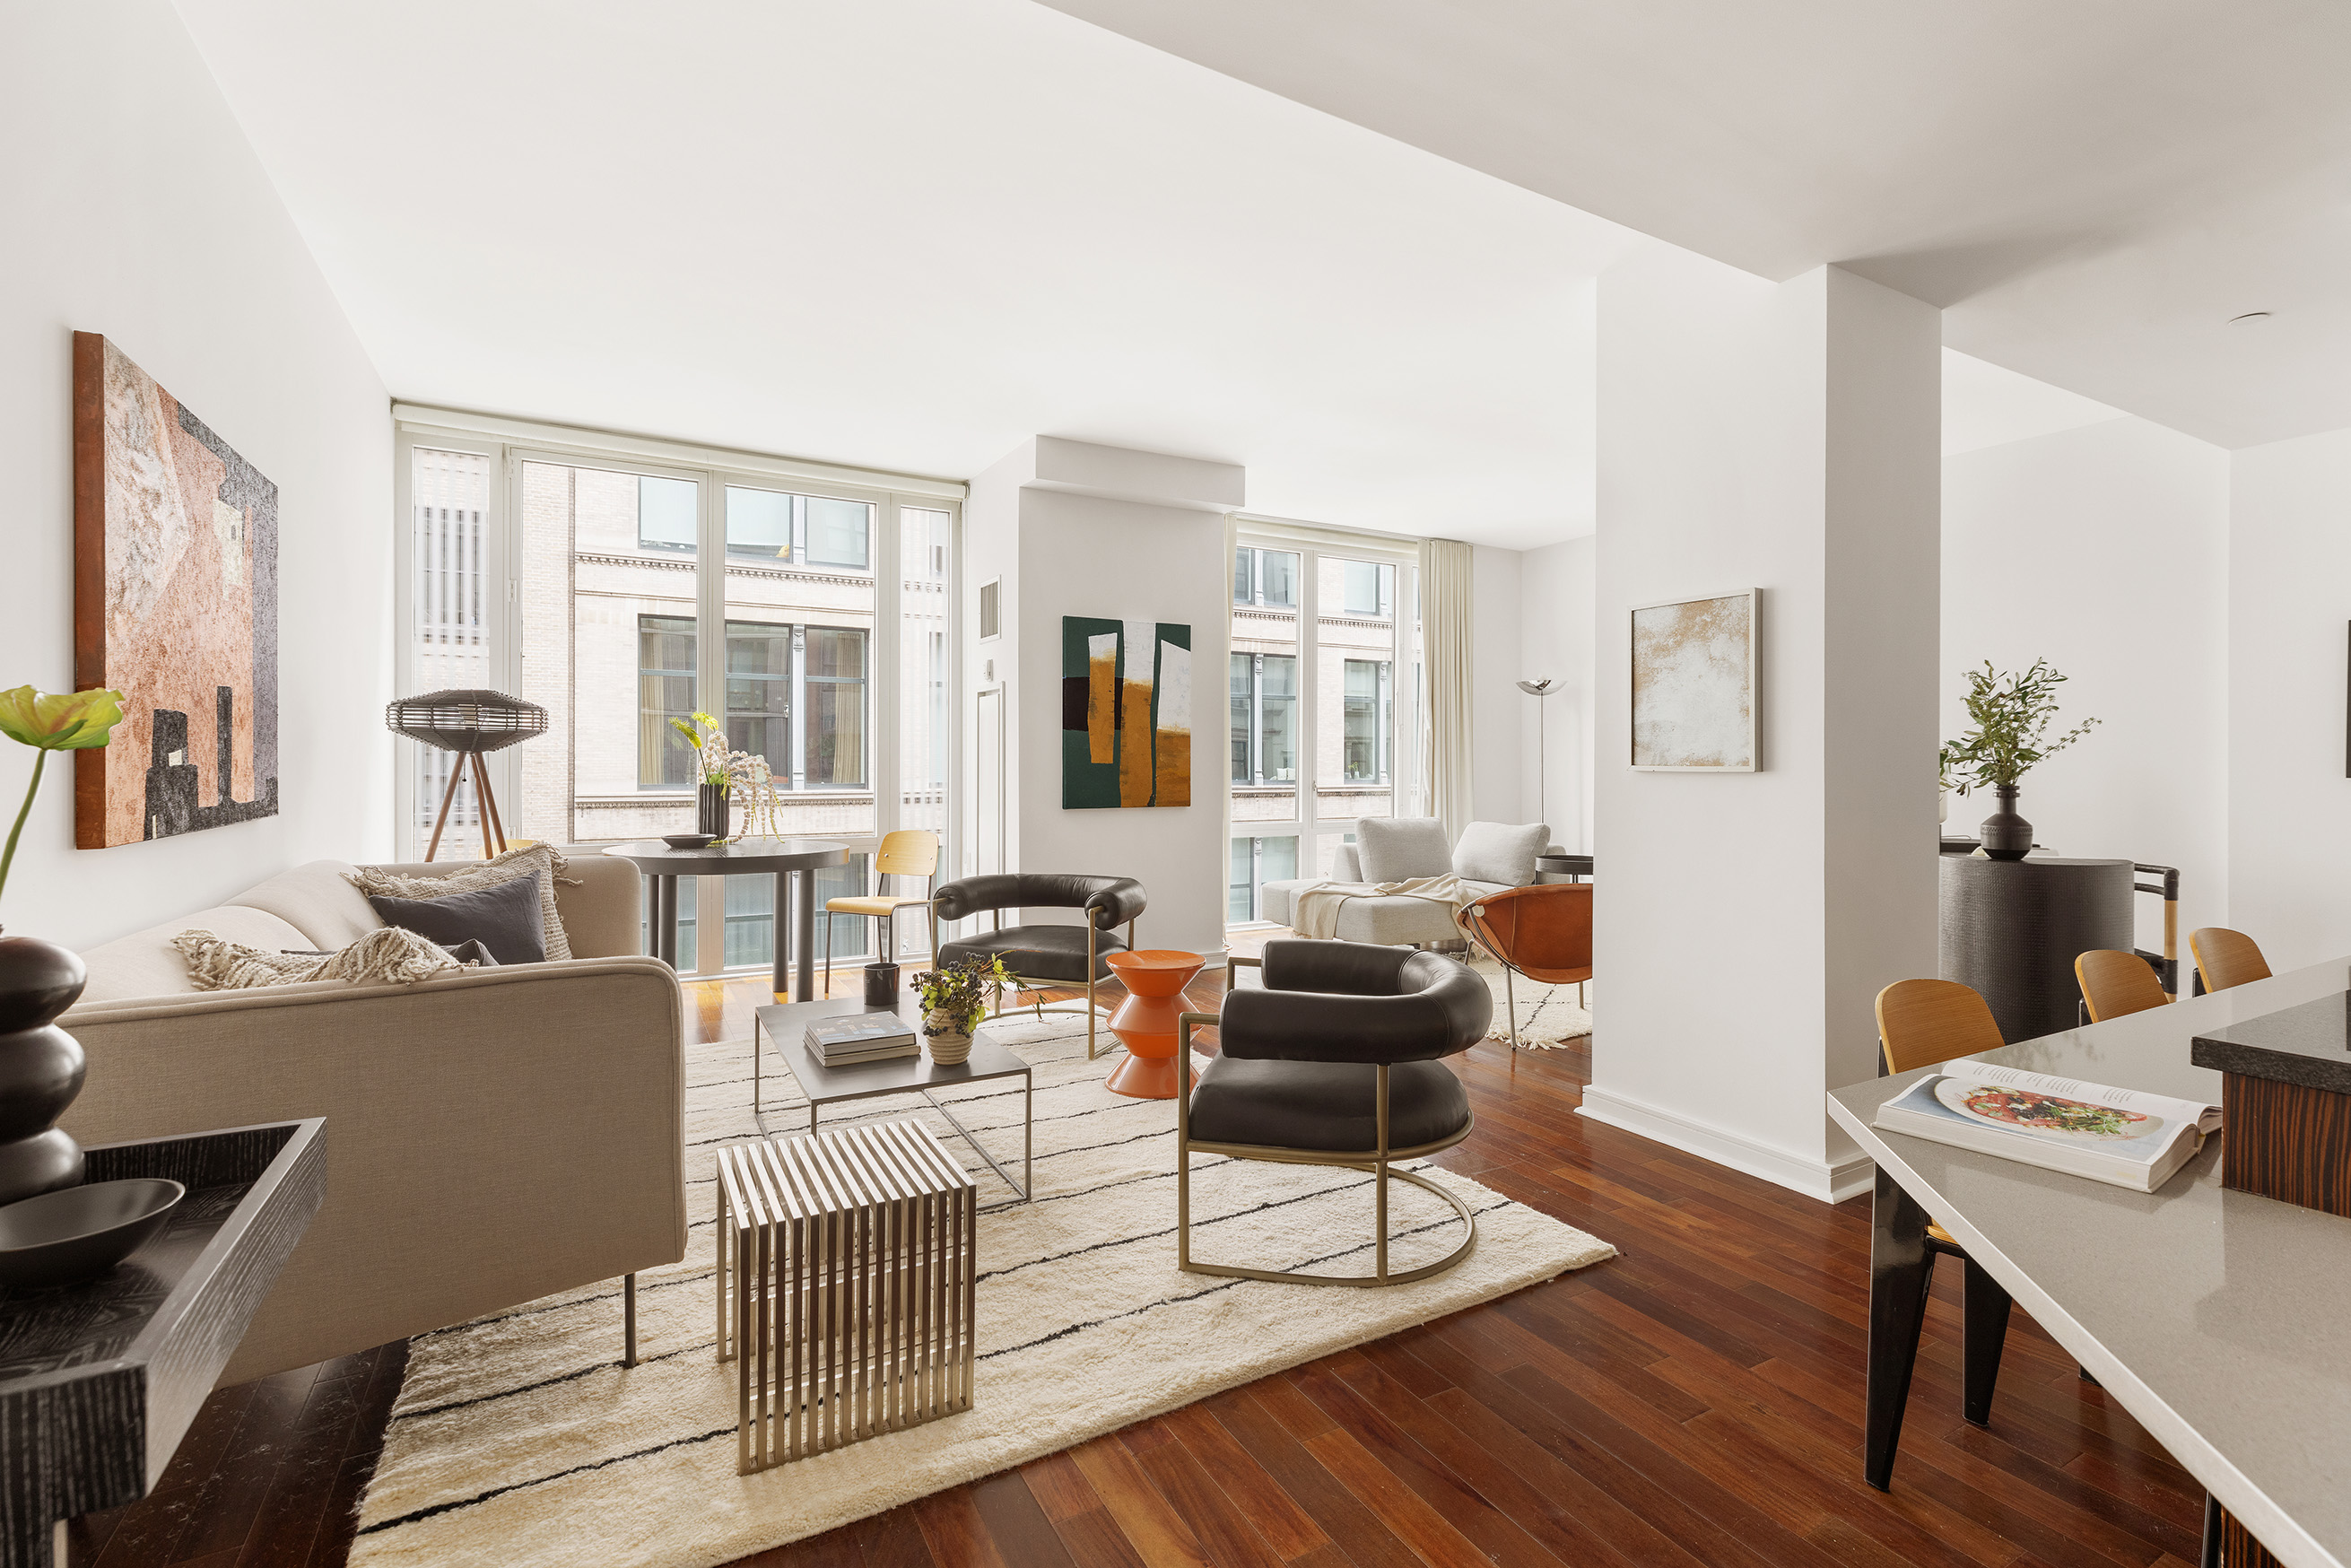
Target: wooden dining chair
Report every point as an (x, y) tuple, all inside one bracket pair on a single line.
[(2226, 958), (1923, 1023), (908, 852), (2116, 984)]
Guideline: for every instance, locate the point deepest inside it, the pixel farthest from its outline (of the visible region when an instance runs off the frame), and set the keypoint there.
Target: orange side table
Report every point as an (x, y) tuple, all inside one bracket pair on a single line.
[(1154, 981)]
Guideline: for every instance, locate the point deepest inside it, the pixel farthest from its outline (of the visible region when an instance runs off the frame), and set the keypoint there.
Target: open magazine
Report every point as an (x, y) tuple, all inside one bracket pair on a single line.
[(2117, 1135)]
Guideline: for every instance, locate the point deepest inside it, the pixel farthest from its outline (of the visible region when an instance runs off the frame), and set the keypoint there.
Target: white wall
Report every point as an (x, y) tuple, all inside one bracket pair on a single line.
[(1555, 631), (137, 209), (1079, 529), (1781, 437), (2104, 550), (2289, 603), (1495, 795)]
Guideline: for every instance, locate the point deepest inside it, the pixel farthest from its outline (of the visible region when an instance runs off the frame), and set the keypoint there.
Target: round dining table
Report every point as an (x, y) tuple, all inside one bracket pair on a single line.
[(793, 862)]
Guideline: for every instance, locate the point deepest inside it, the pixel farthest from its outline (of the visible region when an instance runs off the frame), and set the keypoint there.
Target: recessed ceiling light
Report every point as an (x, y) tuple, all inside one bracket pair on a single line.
[(2249, 315)]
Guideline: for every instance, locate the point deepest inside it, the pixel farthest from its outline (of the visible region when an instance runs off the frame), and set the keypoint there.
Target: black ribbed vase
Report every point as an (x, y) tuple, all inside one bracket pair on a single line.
[(41, 1067), (2005, 836), (710, 810)]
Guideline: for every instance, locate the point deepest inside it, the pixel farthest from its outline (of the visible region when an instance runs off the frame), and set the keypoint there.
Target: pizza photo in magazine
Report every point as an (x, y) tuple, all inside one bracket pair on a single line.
[(2120, 1137)]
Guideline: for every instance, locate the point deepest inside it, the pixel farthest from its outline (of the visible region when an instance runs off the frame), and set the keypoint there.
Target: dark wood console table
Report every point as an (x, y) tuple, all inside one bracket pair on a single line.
[(99, 1382)]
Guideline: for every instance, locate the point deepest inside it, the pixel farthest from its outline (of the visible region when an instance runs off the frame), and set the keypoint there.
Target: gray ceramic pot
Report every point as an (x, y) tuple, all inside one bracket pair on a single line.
[(2005, 836)]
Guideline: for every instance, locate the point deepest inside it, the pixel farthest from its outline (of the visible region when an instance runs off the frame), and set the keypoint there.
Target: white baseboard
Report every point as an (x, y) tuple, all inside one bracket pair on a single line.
[(1813, 1179)]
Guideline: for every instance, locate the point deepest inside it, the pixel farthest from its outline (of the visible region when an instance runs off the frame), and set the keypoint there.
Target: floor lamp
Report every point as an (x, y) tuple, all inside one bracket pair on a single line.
[(469, 723), (1539, 690)]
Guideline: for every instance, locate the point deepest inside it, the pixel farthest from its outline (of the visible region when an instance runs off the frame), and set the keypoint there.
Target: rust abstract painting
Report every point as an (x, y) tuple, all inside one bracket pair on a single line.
[(175, 606), (1126, 712)]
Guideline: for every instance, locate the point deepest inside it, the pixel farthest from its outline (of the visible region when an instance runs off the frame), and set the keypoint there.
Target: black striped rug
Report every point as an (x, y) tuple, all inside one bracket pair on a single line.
[(518, 1441)]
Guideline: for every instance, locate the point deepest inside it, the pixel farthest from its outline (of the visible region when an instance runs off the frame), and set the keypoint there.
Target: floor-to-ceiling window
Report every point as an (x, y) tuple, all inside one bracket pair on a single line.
[(643, 584), (1317, 738)]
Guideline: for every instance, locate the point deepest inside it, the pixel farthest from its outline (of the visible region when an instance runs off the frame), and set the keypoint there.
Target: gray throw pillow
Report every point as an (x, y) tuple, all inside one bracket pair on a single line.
[(504, 919), (1402, 849), (1500, 852)]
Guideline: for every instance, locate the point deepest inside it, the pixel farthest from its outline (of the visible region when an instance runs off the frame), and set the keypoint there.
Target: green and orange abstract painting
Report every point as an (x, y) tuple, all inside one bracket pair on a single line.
[(1126, 712)]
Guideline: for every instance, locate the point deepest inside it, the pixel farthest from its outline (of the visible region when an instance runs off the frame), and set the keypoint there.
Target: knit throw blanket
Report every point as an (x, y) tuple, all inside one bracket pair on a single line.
[(390, 955), (1315, 910)]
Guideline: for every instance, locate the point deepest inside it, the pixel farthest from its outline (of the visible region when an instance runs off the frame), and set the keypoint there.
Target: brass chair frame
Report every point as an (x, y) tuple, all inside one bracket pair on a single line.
[(1377, 1161), (889, 923), (1091, 1007)]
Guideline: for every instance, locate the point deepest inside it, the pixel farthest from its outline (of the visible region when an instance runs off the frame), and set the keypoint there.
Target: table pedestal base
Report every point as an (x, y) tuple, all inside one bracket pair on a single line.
[(1145, 1022), (1143, 1077)]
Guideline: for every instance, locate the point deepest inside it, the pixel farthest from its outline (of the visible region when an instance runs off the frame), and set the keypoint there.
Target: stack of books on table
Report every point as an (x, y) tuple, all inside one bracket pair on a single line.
[(860, 1037)]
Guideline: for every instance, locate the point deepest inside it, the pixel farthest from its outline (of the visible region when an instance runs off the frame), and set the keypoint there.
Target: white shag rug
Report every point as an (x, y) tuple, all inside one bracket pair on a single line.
[(520, 1441), (1549, 1016)]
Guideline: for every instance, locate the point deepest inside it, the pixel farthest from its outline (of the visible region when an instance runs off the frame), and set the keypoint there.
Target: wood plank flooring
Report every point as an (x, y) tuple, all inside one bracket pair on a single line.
[(1697, 1400)]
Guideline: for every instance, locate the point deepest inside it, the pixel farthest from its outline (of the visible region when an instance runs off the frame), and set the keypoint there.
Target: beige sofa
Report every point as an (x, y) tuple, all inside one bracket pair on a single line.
[(492, 1137)]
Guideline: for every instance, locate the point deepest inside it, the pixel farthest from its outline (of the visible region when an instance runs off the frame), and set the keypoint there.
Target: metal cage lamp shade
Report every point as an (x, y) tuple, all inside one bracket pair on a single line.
[(469, 723)]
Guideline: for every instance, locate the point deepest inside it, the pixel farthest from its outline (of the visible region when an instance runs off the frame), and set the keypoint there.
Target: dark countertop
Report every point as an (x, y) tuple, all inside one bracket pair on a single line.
[(2308, 1046)]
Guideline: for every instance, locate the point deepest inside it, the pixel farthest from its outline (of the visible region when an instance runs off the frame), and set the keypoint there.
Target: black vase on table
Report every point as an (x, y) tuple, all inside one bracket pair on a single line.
[(710, 811), (41, 1067), (2005, 836)]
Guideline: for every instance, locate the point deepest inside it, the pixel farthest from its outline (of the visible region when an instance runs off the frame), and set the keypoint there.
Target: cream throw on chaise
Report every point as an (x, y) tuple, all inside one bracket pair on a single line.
[(1402, 883)]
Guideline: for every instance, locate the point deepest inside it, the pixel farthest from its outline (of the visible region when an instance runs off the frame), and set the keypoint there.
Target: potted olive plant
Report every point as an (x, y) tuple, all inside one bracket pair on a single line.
[(2012, 714), (954, 999), (41, 1066)]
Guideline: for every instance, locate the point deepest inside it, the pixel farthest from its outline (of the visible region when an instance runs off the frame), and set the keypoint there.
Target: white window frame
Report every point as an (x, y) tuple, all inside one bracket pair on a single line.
[(509, 443), (1310, 544)]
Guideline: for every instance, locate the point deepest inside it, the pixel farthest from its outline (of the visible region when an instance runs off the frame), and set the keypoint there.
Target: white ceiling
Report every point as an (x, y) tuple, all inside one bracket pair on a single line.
[(2090, 188), (910, 234), (1986, 405)]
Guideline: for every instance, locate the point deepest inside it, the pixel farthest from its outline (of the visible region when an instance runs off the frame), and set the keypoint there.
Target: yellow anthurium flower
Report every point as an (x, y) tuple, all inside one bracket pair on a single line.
[(62, 721)]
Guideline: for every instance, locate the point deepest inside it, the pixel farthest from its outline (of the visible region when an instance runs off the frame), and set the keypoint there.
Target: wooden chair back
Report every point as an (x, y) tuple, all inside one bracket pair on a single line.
[(2115, 985), (1922, 1022), (909, 851), (2226, 957), (1544, 932)]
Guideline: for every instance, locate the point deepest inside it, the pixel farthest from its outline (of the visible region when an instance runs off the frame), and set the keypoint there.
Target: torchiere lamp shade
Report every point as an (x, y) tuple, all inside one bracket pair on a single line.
[(469, 723)]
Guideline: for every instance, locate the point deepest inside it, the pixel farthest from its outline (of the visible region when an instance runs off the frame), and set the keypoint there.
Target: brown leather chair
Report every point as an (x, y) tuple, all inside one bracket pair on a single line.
[(2225, 958), (2116, 983), (1543, 933)]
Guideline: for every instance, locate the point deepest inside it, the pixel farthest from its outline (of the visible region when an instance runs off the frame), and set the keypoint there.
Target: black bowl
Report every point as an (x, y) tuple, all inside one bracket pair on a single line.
[(78, 1233), (689, 840)]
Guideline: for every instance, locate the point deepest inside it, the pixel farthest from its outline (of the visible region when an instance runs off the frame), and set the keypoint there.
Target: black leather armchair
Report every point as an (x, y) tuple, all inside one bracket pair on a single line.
[(1336, 1061), (1038, 957)]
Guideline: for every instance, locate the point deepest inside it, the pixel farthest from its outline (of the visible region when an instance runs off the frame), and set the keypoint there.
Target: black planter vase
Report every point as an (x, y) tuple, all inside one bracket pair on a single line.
[(41, 1067), (710, 811), (2005, 836)]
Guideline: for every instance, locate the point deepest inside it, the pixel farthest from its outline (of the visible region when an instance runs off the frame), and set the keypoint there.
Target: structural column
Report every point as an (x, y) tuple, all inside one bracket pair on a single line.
[(1784, 437)]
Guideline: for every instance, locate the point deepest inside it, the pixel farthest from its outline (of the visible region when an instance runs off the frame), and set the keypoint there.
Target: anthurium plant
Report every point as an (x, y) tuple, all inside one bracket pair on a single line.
[(2012, 713), (956, 993), (69, 721)]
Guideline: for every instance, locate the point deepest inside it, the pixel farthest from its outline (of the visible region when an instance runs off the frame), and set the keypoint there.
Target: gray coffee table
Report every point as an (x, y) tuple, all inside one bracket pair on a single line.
[(785, 1024), (792, 861)]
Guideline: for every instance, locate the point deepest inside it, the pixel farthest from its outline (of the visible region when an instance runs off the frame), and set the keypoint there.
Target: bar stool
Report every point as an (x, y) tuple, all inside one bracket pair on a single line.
[(909, 851)]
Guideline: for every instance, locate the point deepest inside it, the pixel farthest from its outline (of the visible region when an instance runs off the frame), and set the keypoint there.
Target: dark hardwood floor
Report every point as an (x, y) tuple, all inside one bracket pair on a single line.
[(1697, 1400)]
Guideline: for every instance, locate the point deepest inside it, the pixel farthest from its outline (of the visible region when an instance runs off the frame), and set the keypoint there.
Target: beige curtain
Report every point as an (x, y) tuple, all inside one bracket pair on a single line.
[(1446, 609)]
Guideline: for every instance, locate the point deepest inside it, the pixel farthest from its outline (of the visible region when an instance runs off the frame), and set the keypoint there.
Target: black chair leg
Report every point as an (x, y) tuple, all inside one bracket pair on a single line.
[(1985, 1306), (1900, 1268), (2210, 1556)]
